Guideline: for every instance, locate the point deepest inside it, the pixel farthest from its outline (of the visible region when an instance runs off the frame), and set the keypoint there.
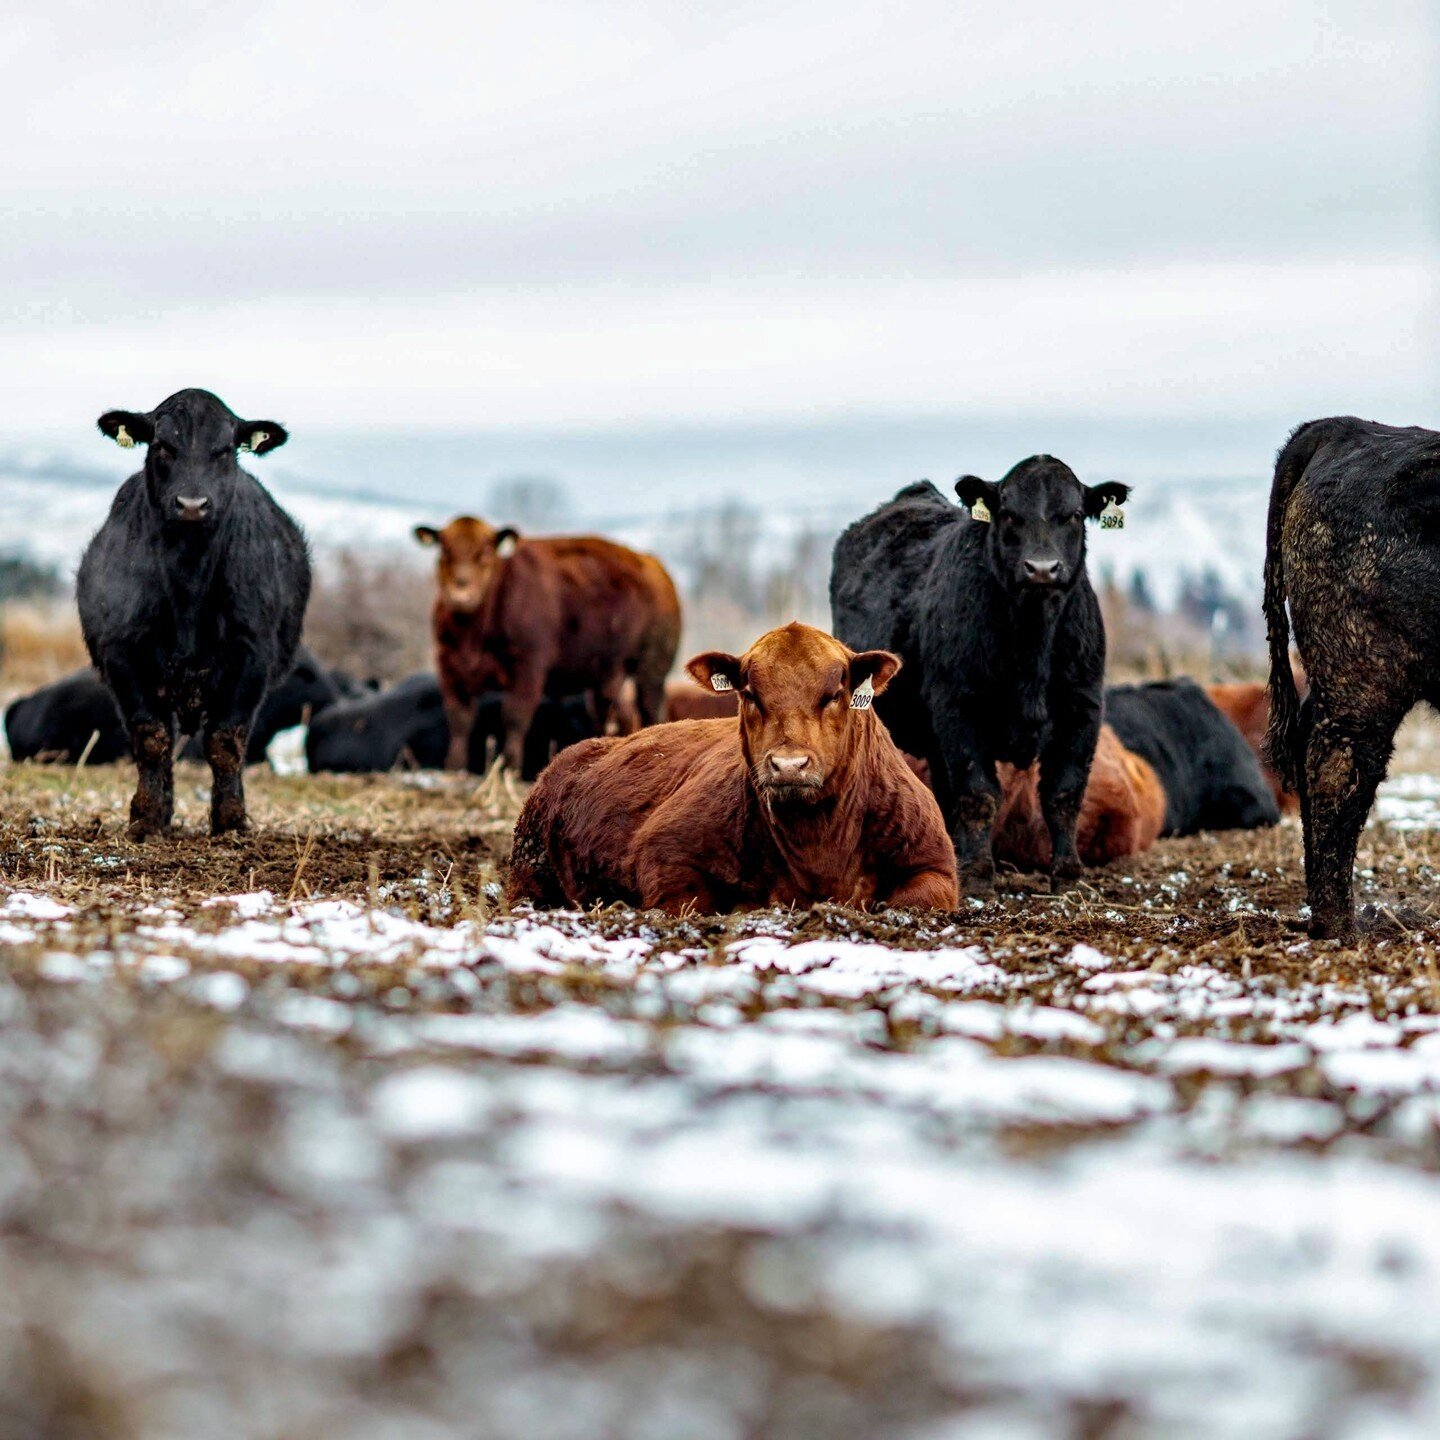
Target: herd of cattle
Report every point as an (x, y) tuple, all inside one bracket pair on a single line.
[(957, 716)]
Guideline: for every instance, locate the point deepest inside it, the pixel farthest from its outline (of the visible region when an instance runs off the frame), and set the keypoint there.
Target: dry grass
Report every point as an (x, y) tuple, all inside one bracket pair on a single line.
[(39, 642)]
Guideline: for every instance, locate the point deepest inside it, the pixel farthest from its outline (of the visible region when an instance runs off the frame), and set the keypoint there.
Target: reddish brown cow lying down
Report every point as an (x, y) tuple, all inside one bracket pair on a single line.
[(685, 700), (803, 798), (563, 615), (1122, 813)]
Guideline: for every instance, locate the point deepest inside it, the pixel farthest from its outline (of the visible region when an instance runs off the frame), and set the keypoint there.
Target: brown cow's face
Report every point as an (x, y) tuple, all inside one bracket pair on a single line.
[(799, 710), (470, 556)]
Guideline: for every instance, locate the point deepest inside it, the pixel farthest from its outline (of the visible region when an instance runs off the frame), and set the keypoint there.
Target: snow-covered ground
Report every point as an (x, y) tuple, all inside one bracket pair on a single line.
[(1198, 1204)]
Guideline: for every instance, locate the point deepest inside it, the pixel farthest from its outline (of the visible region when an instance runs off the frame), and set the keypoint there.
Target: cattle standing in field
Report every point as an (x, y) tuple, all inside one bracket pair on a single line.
[(191, 596), (1211, 776), (1246, 705), (556, 616), (1123, 811), (58, 722), (1353, 547), (405, 725), (802, 798), (1002, 639)]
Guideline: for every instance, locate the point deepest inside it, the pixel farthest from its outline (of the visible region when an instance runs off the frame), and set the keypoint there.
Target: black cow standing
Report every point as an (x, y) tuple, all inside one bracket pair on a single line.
[(192, 594), (1353, 546), (1002, 639)]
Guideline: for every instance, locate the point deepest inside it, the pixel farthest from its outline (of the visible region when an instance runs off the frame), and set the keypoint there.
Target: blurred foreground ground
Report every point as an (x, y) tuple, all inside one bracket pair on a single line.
[(301, 1135)]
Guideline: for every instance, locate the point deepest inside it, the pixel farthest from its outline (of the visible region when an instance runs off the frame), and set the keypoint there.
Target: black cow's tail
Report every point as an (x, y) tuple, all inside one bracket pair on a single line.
[(1282, 738)]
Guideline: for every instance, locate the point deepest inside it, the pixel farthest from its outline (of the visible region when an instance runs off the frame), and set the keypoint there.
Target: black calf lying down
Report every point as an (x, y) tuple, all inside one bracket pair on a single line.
[(1211, 777), (406, 726), (56, 722)]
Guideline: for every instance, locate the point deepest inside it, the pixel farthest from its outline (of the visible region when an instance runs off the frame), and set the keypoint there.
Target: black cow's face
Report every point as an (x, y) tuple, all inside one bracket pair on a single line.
[(190, 465), (1036, 538)]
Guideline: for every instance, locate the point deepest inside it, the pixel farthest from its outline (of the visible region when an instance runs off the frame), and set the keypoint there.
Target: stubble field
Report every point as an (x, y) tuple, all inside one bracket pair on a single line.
[(301, 1134)]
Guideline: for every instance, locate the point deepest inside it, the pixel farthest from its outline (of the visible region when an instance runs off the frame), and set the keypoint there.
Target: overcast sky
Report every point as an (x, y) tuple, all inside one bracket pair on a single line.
[(476, 216)]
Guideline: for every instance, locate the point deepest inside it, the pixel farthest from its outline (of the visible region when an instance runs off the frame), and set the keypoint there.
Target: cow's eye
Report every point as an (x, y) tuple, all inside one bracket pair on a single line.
[(831, 699), (751, 698), (221, 453)]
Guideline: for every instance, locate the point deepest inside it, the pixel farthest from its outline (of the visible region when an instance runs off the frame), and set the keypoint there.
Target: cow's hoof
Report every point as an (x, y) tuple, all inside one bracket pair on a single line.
[(1335, 927), (1064, 877), (229, 822)]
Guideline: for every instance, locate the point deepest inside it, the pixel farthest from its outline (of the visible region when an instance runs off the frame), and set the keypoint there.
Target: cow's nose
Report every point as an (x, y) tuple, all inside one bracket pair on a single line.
[(192, 507), (1044, 571), (789, 764)]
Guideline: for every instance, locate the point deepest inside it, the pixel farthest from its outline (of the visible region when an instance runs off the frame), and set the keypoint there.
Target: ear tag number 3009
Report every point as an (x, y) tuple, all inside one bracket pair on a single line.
[(863, 695)]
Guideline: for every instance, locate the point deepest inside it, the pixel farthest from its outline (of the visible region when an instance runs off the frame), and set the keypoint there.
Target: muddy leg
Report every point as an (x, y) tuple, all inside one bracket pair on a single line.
[(460, 719), (153, 805), (1345, 761), (225, 750)]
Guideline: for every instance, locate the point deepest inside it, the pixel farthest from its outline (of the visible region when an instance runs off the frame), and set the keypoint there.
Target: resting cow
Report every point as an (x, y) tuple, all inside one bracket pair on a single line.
[(191, 597), (685, 700), (1211, 777), (1000, 631), (1123, 811), (1246, 705), (556, 616), (406, 725), (803, 798), (56, 722), (1353, 547)]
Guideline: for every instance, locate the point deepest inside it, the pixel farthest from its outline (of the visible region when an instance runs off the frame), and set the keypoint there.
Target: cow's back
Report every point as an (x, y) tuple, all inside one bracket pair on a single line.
[(1211, 777), (574, 838)]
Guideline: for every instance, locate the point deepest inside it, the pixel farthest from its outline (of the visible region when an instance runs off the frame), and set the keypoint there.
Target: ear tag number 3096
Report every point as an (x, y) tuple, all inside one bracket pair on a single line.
[(1112, 517), (720, 682), (980, 511)]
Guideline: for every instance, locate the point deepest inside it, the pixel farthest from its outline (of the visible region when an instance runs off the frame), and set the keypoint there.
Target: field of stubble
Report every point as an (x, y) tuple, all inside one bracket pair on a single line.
[(302, 1135)]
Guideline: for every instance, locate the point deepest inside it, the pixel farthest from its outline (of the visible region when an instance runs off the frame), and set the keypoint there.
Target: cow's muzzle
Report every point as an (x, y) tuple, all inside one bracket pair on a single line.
[(790, 777), (192, 508)]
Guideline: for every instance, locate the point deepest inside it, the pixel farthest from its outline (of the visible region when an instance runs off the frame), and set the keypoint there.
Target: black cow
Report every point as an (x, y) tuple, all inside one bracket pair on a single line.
[(1000, 631), (1211, 777), (406, 725), (1353, 547), (192, 594), (55, 722)]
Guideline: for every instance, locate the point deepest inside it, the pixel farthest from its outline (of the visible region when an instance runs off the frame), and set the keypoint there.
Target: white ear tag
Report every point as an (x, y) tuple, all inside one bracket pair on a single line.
[(720, 682), (1112, 517), (980, 511), (863, 695), (255, 441), (123, 438)]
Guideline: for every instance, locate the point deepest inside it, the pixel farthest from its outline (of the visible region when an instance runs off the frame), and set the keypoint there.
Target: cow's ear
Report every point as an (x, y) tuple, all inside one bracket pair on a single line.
[(260, 437), (979, 497), (506, 540), (1108, 492), (715, 670), (870, 672), (127, 427), (426, 534)]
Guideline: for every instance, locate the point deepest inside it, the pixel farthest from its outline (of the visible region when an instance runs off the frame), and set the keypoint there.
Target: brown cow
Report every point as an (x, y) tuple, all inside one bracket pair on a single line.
[(557, 616), (1123, 811), (685, 700), (1246, 704), (803, 798)]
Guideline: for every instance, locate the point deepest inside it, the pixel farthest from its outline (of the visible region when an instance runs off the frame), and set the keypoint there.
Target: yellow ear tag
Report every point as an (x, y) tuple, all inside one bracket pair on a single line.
[(863, 695), (255, 441), (1112, 517), (720, 682), (980, 511), (123, 438)]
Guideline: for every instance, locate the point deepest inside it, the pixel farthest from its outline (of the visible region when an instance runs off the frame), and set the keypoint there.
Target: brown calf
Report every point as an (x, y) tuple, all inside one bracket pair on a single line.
[(803, 798), (1122, 813), (1246, 705), (557, 616)]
